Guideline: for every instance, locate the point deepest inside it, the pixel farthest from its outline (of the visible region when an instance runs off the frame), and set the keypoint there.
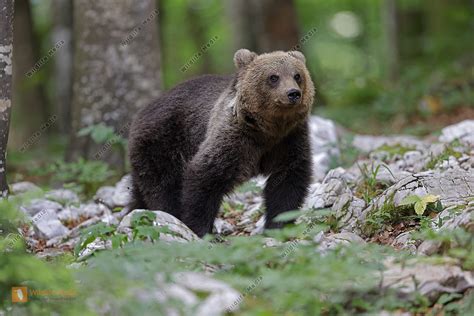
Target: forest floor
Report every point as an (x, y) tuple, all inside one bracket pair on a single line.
[(387, 229)]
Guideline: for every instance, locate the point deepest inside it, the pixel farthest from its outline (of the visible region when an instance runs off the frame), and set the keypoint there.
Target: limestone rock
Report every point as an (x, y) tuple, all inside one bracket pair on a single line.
[(180, 232)]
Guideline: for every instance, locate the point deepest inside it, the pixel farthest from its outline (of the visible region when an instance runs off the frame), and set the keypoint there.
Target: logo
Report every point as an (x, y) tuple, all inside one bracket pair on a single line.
[(19, 294)]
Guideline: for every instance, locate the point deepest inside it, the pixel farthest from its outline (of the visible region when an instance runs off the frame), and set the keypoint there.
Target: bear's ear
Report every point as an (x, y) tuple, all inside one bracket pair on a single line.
[(297, 55), (243, 57)]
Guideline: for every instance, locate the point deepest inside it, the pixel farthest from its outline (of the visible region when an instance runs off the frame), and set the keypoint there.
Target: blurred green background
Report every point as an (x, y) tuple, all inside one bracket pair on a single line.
[(372, 76)]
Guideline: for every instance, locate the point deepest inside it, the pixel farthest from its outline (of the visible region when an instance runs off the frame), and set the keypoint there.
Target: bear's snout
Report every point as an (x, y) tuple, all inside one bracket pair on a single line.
[(293, 95)]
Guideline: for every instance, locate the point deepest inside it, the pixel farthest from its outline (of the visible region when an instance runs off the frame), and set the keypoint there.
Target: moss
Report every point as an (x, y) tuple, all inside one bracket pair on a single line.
[(393, 150)]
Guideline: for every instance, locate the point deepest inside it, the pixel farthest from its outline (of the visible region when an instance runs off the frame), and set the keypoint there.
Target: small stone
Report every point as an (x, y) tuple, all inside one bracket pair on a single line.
[(37, 205), (324, 141), (412, 157), (122, 194), (330, 242), (463, 131), (221, 298), (271, 242), (223, 227), (429, 247), (23, 187), (63, 196), (404, 241), (323, 195), (105, 195), (427, 279), (90, 249), (49, 226), (259, 227), (180, 232)]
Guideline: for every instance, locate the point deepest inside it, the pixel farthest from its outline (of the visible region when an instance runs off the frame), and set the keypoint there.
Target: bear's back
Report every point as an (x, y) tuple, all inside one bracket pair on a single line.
[(182, 112)]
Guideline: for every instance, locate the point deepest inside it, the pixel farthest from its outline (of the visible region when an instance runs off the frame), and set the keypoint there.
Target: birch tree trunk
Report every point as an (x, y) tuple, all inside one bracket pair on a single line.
[(116, 68), (6, 51)]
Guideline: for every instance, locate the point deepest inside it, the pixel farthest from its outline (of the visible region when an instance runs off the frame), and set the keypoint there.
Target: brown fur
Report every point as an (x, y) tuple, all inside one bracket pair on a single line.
[(209, 134)]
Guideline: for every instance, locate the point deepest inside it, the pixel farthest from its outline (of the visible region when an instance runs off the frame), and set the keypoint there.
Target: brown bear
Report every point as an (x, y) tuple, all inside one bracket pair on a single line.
[(209, 134)]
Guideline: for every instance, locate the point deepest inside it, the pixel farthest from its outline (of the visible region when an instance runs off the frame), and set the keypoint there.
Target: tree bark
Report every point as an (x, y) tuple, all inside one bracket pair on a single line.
[(29, 96), (116, 67), (389, 20), (62, 31), (264, 25), (6, 52)]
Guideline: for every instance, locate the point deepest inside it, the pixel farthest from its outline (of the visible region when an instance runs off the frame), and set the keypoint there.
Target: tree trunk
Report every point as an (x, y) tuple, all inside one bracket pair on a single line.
[(6, 51), (116, 68), (264, 25), (29, 97), (389, 20), (62, 31)]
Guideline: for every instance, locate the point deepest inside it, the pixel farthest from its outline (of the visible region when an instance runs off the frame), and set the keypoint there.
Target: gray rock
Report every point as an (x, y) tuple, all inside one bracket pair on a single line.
[(63, 196), (92, 209), (429, 247), (427, 279), (223, 227), (341, 174), (67, 214), (259, 227), (329, 242), (180, 232), (49, 226), (452, 186), (324, 144), (50, 253), (405, 241), (463, 131), (221, 297), (348, 210), (105, 195), (271, 242), (122, 194), (323, 195), (367, 143), (412, 157), (195, 293), (88, 210), (452, 219), (436, 149), (37, 205), (93, 247), (24, 187)]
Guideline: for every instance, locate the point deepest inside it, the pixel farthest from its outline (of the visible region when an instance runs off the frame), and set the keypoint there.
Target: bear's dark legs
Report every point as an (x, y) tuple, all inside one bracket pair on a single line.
[(290, 177), (157, 181), (284, 191), (211, 174)]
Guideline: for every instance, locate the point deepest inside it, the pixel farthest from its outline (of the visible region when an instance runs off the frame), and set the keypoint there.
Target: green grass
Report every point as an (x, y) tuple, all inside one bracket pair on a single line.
[(448, 152)]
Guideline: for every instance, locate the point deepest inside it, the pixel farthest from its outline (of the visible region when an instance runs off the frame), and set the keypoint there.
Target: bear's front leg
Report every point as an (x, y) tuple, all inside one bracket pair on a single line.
[(212, 173), (290, 176)]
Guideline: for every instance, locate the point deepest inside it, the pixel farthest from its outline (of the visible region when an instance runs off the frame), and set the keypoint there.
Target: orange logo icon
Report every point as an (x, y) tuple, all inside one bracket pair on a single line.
[(19, 294)]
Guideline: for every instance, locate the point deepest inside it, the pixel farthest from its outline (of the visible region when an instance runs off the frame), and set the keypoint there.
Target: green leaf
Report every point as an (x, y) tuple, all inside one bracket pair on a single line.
[(420, 207), (409, 200), (145, 218), (430, 198), (288, 216)]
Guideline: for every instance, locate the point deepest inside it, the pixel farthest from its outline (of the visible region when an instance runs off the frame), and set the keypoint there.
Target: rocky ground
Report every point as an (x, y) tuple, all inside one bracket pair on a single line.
[(398, 188)]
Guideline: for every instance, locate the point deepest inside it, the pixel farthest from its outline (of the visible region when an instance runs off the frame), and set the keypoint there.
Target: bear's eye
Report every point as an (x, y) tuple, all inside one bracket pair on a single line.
[(274, 78), (297, 77)]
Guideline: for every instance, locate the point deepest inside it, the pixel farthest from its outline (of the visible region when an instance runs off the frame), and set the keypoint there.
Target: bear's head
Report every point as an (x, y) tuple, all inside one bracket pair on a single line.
[(274, 90)]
